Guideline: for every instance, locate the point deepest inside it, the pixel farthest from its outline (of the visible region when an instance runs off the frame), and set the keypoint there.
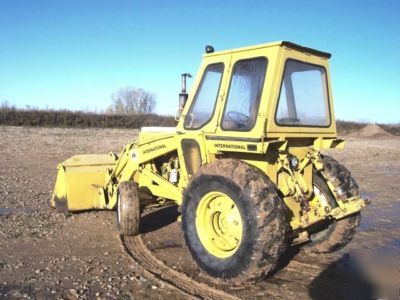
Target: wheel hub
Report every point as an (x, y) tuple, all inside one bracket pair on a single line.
[(219, 224)]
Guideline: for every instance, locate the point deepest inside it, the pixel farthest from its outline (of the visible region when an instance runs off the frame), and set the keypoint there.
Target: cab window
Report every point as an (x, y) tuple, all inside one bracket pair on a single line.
[(205, 99), (244, 94), (303, 99)]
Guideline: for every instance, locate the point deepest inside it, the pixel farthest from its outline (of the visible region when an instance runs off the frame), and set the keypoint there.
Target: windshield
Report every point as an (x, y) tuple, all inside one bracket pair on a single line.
[(303, 99), (204, 101)]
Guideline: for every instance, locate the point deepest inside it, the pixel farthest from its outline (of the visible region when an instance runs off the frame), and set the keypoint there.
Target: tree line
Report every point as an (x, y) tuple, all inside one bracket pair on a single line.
[(130, 108), (65, 118)]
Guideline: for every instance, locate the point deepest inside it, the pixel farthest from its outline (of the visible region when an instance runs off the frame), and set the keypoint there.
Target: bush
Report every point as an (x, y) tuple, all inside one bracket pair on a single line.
[(9, 115), (345, 127), (391, 128), (64, 118)]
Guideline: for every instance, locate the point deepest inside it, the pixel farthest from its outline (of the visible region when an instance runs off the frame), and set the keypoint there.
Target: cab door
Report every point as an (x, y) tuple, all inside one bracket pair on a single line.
[(241, 117), (209, 89), (201, 114)]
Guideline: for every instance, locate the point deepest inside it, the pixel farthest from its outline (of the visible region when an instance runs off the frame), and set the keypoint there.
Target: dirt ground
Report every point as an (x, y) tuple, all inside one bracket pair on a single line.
[(45, 254)]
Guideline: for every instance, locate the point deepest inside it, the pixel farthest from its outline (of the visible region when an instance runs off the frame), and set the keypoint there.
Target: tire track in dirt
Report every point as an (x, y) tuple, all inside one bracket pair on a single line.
[(158, 270)]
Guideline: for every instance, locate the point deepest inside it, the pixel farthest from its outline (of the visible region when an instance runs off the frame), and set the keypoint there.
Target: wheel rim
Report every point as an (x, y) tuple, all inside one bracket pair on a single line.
[(219, 224)]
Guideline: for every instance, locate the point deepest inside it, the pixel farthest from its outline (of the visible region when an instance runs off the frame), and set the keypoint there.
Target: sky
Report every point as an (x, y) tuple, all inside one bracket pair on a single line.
[(75, 54)]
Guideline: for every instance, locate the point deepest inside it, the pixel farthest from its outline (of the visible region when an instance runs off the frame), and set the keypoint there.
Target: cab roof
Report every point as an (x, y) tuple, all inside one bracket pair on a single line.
[(274, 44)]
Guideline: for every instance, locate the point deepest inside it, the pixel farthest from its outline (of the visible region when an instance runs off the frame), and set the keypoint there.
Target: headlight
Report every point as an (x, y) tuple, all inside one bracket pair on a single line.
[(294, 162)]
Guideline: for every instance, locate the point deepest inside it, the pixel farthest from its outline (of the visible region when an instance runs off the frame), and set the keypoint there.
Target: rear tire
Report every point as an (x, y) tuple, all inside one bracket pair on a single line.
[(338, 233), (263, 222), (128, 208)]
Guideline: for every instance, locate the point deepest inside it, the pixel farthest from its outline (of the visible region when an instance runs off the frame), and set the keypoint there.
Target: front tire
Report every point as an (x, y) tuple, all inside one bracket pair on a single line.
[(234, 221), (128, 208)]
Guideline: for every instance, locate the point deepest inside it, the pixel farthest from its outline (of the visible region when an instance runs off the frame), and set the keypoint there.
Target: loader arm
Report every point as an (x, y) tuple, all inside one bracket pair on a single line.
[(91, 181), (135, 163)]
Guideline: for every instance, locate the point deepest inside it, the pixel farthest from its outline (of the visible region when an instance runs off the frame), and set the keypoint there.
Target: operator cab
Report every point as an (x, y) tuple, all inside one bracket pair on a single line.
[(262, 90)]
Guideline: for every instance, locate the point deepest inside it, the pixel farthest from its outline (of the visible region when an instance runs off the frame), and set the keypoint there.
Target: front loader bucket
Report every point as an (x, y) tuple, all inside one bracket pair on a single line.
[(80, 182)]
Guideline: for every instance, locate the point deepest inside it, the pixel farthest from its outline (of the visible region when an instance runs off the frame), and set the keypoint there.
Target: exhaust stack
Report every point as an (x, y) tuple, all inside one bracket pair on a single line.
[(183, 95)]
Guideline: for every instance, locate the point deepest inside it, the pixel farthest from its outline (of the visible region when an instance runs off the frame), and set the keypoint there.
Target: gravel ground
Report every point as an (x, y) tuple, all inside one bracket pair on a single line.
[(44, 254)]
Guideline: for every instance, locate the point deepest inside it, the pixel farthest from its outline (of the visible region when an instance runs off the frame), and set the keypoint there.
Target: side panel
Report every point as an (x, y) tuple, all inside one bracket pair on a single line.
[(197, 155), (192, 155)]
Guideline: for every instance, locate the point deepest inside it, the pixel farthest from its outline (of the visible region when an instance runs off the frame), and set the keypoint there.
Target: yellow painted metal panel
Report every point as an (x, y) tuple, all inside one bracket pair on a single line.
[(80, 181), (89, 160)]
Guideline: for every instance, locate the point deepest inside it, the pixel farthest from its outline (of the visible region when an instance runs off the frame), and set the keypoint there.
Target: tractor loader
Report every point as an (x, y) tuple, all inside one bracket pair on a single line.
[(244, 164)]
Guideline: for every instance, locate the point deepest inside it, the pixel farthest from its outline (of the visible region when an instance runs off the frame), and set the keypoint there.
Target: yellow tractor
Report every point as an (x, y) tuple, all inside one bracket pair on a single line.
[(244, 164)]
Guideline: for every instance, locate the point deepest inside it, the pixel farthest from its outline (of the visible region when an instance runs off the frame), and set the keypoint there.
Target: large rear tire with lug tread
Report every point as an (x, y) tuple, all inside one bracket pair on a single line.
[(338, 233), (128, 208), (234, 222)]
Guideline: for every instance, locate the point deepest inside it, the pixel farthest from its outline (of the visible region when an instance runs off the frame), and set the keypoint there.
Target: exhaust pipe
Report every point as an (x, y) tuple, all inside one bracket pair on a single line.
[(183, 76), (183, 95)]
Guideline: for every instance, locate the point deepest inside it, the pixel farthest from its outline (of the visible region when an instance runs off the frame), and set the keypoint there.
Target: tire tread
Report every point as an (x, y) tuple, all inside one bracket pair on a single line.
[(270, 211), (130, 217)]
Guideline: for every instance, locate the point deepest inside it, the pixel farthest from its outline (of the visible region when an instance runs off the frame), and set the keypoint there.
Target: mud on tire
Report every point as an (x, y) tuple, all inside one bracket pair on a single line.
[(339, 233), (128, 209), (263, 213)]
